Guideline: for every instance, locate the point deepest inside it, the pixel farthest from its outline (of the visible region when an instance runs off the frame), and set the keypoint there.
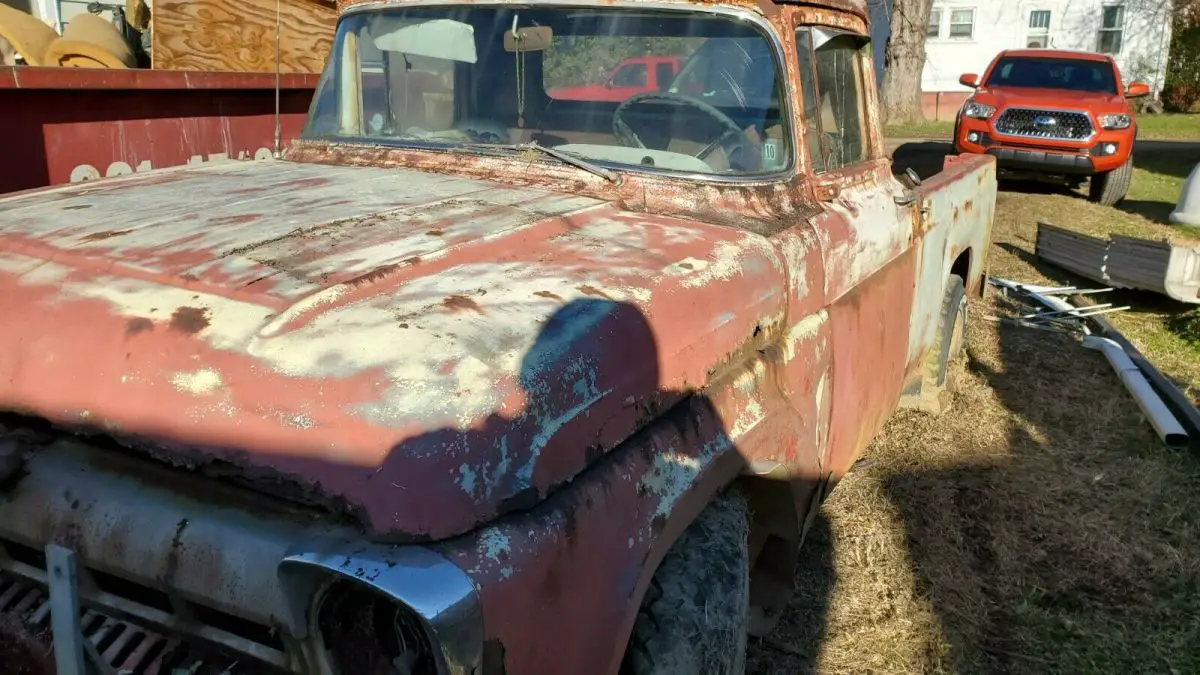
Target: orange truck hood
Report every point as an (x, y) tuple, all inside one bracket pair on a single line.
[(422, 351), (1005, 97)]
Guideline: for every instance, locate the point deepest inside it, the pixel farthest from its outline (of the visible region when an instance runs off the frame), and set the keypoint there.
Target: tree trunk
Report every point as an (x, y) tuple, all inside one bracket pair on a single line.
[(904, 59)]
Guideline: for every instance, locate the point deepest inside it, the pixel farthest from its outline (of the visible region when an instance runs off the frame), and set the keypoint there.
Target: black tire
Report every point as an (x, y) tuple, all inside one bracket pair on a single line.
[(1109, 189), (952, 328), (695, 617)]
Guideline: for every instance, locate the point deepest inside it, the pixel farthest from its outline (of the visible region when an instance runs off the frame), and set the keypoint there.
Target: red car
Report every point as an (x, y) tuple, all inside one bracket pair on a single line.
[(631, 77), (1054, 112)]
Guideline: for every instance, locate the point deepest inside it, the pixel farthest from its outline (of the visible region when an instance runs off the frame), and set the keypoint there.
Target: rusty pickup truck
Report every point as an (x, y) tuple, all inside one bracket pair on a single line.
[(474, 380)]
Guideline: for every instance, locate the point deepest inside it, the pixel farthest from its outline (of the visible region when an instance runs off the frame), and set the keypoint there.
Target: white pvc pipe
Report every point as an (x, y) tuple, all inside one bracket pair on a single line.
[(1169, 430)]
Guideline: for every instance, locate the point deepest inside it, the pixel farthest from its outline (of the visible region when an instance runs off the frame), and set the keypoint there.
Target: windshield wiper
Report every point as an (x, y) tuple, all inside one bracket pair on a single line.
[(571, 159)]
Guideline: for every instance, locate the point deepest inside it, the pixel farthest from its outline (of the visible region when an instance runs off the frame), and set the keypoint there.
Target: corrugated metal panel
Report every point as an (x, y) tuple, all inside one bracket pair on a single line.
[(1072, 251), (1125, 262), (1139, 263)]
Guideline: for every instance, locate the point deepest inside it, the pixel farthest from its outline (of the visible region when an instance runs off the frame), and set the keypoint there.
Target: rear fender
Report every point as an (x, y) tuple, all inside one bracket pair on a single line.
[(957, 207)]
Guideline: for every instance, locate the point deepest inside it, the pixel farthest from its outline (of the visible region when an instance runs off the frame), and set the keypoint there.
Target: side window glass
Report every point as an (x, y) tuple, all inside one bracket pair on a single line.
[(839, 101), (663, 74), (630, 76), (808, 85)]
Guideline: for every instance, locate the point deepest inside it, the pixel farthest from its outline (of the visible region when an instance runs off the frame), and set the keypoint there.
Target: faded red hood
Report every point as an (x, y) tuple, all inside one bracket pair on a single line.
[(424, 350)]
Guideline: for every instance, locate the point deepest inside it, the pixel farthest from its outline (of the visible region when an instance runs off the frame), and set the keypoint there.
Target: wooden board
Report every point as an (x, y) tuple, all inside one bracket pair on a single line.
[(239, 35)]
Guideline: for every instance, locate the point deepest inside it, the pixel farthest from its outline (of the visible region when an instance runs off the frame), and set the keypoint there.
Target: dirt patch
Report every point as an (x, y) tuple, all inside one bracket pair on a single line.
[(21, 651), (1038, 527)]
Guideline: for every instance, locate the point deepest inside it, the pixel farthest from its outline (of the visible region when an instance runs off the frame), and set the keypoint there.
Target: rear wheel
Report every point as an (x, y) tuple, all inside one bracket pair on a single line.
[(695, 617), (1109, 189), (937, 377), (952, 331)]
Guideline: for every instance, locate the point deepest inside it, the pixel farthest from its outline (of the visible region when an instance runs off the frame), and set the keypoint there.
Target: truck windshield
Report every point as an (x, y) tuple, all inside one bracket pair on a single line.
[(1048, 73), (674, 91)]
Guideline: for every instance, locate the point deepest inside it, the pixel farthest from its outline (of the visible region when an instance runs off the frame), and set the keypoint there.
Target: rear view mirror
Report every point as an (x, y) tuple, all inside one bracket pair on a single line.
[(530, 39), (1137, 90), (969, 80)]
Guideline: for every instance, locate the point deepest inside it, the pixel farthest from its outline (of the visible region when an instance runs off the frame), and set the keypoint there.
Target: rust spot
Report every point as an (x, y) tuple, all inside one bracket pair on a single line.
[(593, 292), (139, 325), (107, 234), (188, 276), (240, 219), (548, 294), (77, 207), (372, 276), (247, 191), (458, 303), (307, 182), (686, 265), (189, 319), (435, 233), (969, 206), (412, 261)]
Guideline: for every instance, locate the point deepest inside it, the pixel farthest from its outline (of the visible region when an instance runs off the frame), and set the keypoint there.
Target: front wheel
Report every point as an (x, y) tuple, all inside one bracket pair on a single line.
[(695, 616), (1110, 188)]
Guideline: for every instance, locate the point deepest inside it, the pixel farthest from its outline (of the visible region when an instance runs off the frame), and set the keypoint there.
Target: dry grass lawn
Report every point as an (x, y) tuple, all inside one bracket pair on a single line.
[(1038, 527)]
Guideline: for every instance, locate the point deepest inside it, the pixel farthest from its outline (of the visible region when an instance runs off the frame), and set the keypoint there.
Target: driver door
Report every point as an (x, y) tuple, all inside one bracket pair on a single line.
[(869, 261)]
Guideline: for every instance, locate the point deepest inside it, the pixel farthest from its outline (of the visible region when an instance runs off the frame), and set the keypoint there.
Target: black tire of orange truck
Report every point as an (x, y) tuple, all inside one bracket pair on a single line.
[(1110, 189)]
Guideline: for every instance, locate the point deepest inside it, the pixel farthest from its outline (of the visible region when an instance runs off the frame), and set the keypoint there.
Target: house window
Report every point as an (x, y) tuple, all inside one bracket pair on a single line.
[(1112, 29), (962, 23), (1039, 29), (935, 24)]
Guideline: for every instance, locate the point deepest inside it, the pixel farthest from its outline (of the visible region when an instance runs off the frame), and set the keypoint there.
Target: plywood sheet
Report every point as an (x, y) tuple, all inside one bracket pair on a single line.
[(239, 35)]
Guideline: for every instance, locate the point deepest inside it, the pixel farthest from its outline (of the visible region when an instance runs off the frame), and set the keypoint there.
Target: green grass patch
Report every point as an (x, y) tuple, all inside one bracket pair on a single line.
[(1186, 327), (1172, 127)]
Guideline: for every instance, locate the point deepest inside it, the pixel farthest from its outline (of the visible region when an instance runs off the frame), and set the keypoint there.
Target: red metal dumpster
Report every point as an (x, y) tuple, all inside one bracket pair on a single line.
[(65, 125)]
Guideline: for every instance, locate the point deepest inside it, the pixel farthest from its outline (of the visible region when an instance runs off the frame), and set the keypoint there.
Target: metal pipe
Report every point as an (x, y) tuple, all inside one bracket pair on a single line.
[(1169, 430), (1185, 410), (1042, 315)]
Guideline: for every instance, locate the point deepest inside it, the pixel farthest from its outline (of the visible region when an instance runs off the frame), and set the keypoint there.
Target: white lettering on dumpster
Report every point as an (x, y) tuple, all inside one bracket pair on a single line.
[(85, 172)]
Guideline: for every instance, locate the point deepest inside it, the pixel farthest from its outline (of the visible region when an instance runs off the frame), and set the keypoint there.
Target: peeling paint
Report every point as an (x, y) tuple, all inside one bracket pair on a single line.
[(199, 383), (805, 329)]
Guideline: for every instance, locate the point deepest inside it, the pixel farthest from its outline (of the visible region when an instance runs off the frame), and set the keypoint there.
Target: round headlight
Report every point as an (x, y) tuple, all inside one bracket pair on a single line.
[(367, 633)]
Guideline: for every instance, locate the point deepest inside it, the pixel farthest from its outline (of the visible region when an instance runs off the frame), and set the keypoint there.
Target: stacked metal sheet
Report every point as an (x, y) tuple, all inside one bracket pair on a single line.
[(1125, 262)]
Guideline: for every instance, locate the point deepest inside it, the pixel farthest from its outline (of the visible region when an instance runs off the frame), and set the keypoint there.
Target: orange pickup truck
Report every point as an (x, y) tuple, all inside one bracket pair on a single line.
[(1054, 112)]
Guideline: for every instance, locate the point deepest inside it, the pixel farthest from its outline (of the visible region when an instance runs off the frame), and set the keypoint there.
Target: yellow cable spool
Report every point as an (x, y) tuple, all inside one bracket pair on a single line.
[(28, 36), (89, 41)]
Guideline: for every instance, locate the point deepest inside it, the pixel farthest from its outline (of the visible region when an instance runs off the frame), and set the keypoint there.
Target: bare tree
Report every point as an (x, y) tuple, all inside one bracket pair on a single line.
[(904, 59)]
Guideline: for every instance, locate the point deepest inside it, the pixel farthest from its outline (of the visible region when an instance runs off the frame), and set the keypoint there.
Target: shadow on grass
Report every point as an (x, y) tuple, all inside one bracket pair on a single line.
[(1074, 550), (1159, 212), (927, 158), (1167, 158)]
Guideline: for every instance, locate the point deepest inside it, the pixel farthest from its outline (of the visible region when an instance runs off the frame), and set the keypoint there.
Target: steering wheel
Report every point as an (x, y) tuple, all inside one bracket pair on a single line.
[(743, 145)]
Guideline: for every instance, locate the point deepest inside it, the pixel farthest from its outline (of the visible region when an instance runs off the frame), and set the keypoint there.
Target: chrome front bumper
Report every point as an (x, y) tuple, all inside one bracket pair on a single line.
[(224, 566)]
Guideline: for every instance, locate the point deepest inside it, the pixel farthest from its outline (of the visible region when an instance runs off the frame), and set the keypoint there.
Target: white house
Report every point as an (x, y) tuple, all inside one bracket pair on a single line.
[(964, 35)]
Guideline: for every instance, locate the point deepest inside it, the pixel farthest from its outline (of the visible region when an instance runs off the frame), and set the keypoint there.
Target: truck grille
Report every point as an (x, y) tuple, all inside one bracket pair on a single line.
[(126, 647), (1046, 124)]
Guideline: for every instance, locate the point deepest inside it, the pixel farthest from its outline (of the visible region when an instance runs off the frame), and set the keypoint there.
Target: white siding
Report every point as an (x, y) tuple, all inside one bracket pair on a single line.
[(1074, 24)]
